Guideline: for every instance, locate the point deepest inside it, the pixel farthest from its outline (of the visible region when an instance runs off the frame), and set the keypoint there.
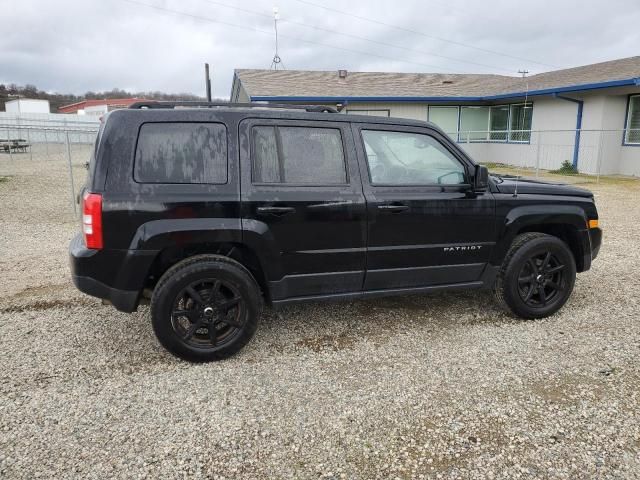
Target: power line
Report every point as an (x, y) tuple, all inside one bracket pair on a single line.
[(358, 37), (378, 22), (265, 32)]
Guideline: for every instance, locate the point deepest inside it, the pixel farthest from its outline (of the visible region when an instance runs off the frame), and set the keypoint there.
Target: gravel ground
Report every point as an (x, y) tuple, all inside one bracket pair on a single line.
[(441, 386)]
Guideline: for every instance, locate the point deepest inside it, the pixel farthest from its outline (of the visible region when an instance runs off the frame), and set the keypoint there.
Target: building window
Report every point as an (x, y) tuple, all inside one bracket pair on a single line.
[(474, 123), (298, 155), (520, 122), (446, 118), (632, 129), (371, 112), (477, 123), (498, 123)]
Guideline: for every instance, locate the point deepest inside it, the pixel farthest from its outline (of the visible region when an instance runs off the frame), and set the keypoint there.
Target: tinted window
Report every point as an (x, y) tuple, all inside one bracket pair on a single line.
[(181, 153), (298, 155), (402, 158)]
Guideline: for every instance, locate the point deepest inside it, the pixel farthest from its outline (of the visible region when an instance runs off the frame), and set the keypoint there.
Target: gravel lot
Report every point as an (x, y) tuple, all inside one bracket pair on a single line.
[(442, 386)]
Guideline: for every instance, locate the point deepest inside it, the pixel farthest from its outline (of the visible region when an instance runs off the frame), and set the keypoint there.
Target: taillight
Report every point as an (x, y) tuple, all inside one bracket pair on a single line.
[(92, 220)]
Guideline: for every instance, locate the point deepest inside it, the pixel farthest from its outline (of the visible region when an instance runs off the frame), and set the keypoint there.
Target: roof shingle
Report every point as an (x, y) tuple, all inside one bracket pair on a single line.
[(309, 83)]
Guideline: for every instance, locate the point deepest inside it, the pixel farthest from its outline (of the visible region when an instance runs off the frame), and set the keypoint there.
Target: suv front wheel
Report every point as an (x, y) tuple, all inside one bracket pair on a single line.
[(537, 276), (205, 308)]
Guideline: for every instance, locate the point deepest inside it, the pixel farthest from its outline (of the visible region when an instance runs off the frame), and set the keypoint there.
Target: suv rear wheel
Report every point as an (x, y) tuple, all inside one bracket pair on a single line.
[(537, 276), (205, 308)]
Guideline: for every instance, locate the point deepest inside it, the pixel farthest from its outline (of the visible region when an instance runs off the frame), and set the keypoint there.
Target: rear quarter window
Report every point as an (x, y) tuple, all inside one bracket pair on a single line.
[(181, 153)]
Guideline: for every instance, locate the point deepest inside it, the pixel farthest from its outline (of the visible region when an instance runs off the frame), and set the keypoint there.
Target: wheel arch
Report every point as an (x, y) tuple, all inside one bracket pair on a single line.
[(171, 255), (566, 222)]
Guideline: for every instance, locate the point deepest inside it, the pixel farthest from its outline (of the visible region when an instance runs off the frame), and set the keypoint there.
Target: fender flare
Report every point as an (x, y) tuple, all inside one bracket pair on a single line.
[(157, 235), (527, 216)]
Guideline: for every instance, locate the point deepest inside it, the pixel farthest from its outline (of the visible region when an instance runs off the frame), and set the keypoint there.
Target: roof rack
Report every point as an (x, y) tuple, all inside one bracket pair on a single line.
[(151, 104)]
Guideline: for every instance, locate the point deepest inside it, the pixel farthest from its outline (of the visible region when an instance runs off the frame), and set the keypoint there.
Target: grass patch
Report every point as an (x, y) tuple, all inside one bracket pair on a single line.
[(492, 165), (4, 179)]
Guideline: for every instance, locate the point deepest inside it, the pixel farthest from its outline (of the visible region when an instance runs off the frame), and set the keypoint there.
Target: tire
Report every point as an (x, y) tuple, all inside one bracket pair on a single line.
[(526, 285), (205, 308)]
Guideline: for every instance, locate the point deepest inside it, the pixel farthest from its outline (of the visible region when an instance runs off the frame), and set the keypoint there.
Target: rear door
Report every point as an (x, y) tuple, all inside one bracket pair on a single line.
[(426, 226), (302, 193)]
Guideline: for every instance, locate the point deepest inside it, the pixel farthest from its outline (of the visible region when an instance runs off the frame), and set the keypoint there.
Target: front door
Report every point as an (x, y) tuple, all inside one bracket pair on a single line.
[(303, 193), (426, 226)]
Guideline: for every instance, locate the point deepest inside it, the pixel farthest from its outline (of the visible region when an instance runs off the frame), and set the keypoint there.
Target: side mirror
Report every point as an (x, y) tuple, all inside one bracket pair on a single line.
[(481, 179)]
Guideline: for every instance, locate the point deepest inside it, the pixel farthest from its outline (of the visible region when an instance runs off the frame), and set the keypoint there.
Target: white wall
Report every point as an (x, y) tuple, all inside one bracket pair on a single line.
[(27, 105)]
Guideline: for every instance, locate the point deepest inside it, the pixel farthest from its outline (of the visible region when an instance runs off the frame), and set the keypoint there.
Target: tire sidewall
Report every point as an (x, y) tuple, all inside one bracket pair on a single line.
[(164, 297), (535, 247)]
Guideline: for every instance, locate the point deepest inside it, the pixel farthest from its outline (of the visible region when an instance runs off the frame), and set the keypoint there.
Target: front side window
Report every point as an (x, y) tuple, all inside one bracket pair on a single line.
[(298, 155), (181, 153), (521, 115), (404, 158), (632, 132)]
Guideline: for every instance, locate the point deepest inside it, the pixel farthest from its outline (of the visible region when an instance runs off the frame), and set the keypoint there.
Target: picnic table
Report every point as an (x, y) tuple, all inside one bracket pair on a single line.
[(15, 145)]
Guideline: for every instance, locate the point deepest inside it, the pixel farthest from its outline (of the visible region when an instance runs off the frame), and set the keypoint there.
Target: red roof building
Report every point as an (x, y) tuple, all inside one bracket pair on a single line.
[(108, 103)]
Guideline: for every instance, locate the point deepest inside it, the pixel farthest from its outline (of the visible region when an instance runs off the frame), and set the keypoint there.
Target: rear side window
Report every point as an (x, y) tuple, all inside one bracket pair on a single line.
[(181, 153), (298, 155)]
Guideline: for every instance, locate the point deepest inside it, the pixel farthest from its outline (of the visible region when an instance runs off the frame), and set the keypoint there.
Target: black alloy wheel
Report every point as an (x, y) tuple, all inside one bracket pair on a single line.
[(207, 313), (541, 280), (537, 275), (206, 308)]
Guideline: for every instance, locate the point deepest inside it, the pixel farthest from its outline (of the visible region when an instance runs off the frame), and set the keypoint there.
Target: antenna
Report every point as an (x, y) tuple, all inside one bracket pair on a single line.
[(277, 61)]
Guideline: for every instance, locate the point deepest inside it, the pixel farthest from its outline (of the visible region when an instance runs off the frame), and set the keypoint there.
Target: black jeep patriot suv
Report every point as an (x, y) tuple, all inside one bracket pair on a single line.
[(208, 212)]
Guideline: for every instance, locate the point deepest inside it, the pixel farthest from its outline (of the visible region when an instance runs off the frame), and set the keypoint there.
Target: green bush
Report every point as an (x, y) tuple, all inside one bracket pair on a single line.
[(566, 168)]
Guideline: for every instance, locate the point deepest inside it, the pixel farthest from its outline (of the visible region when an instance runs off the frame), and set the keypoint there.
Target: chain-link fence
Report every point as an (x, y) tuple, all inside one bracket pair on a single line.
[(44, 147), (49, 148), (576, 156)]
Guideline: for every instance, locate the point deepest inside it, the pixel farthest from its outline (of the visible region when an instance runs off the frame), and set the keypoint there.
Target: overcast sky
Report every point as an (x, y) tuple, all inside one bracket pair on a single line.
[(80, 45)]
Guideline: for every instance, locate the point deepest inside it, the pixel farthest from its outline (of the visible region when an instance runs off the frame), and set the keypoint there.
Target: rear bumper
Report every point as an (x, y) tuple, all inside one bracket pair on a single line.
[(123, 300), (114, 275)]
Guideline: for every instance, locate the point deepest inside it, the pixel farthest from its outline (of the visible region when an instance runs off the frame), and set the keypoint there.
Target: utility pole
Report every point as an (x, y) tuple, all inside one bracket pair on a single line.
[(523, 73), (207, 81)]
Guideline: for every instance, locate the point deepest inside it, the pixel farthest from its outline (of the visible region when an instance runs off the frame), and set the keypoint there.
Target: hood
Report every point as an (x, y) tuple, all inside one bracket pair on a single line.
[(507, 184)]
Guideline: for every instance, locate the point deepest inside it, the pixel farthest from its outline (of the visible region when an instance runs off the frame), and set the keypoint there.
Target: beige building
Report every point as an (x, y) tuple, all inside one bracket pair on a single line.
[(589, 115)]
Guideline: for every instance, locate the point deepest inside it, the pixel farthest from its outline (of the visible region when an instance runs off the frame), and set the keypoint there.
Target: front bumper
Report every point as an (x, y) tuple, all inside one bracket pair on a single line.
[(117, 276), (595, 237)]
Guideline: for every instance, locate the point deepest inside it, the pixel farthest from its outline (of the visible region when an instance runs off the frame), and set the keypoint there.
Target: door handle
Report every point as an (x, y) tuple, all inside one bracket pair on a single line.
[(275, 210), (393, 207)]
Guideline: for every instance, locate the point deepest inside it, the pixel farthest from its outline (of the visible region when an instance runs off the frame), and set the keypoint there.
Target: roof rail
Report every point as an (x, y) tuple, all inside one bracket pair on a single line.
[(151, 104)]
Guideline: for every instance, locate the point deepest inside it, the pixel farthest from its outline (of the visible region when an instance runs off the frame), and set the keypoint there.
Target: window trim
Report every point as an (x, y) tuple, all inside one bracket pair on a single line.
[(459, 136), (192, 184), (627, 118), (275, 126), (419, 131)]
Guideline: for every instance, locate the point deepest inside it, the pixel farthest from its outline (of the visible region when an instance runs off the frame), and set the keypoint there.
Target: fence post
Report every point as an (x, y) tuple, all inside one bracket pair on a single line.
[(538, 154), (73, 188), (599, 163), (30, 146), (46, 142), (9, 143)]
